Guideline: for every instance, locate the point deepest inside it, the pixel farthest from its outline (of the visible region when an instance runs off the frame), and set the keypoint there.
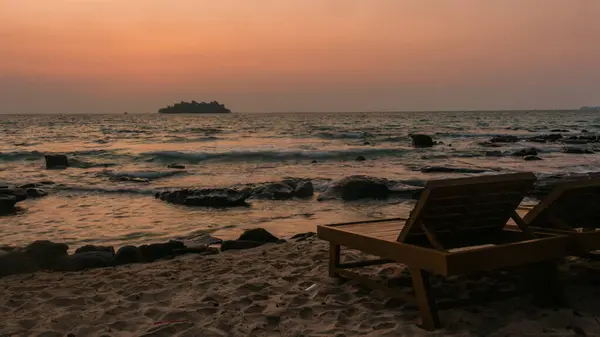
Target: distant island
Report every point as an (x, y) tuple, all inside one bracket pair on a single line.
[(194, 107), (590, 108)]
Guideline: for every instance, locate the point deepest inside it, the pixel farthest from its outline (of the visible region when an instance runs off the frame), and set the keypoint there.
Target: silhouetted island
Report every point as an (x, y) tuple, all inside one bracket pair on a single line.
[(194, 107), (590, 108)]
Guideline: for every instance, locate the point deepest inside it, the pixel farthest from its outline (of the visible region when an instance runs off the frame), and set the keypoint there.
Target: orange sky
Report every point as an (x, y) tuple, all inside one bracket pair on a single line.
[(298, 55)]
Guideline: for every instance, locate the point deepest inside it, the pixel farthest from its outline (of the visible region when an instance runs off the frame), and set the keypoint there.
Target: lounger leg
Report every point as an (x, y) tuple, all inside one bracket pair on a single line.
[(429, 317), (548, 289), (334, 259)]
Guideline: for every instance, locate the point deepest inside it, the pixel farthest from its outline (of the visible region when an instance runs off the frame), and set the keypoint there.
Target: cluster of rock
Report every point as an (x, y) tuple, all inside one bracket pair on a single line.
[(51, 256), (11, 195), (235, 197), (531, 153)]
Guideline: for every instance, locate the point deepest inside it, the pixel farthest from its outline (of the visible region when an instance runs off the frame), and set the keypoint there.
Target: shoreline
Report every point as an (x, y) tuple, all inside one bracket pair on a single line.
[(269, 291)]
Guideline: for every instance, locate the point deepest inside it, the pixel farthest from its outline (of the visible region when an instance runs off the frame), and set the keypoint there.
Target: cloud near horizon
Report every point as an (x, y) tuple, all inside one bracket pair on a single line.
[(269, 55)]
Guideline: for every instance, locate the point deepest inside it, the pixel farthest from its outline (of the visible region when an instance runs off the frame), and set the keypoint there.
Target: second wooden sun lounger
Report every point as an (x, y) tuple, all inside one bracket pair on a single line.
[(451, 215), (571, 208)]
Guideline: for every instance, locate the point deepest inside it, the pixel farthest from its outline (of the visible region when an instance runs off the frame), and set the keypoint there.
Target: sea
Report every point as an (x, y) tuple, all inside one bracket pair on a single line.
[(100, 202)]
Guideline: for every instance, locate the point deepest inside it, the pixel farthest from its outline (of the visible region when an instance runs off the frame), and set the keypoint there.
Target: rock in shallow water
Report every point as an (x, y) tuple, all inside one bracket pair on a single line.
[(56, 161), (7, 204), (217, 198), (505, 139), (176, 166), (36, 193), (445, 169), (20, 194), (356, 188), (526, 152), (419, 140), (92, 248)]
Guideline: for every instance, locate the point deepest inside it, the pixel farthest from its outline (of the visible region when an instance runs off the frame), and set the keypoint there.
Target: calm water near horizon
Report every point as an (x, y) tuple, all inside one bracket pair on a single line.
[(90, 204)]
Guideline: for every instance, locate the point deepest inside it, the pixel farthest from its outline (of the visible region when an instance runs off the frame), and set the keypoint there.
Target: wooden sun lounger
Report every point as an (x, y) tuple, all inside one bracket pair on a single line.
[(573, 209), (450, 216)]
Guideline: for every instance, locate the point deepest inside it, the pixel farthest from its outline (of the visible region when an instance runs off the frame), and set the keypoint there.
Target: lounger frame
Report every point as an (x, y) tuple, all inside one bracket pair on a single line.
[(438, 247), (584, 196)]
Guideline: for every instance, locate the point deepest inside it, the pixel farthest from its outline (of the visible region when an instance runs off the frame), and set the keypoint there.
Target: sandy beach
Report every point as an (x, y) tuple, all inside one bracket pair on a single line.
[(263, 292)]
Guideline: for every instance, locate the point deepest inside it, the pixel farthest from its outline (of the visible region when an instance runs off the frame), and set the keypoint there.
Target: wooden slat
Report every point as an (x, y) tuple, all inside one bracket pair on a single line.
[(483, 203), (570, 202), (508, 255), (424, 258)]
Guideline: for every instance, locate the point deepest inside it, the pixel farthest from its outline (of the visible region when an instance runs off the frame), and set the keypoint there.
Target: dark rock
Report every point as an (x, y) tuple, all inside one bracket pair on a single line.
[(218, 198), (92, 248), (367, 143), (314, 162), (559, 130), (128, 254), (56, 161), (526, 152), (216, 201), (444, 169), (493, 153), (275, 191), (286, 189), (356, 188), (130, 179), (202, 250), (576, 150), (304, 189), (46, 253), (419, 140), (531, 157), (36, 193), (19, 193), (29, 185), (7, 204), (545, 138), (576, 141), (239, 244), (258, 235), (17, 262), (505, 139), (85, 260), (176, 166), (303, 236), (157, 251), (360, 158), (489, 144)]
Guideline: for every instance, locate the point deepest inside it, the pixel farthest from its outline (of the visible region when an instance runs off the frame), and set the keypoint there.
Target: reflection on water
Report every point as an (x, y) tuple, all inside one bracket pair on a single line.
[(90, 204)]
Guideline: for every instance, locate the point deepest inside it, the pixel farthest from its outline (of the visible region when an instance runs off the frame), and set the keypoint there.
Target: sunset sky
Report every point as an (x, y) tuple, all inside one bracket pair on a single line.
[(76, 56)]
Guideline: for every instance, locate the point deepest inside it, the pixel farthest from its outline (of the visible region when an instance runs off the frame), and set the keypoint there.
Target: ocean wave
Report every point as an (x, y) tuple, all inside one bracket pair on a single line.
[(34, 155), (151, 175), (195, 157), (104, 189), (343, 135), (21, 155)]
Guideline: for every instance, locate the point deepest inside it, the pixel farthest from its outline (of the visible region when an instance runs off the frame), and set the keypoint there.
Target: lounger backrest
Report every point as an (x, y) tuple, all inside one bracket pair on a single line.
[(570, 205), (474, 205)]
